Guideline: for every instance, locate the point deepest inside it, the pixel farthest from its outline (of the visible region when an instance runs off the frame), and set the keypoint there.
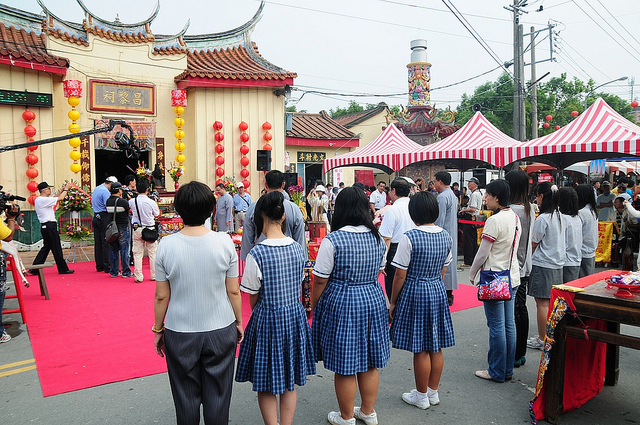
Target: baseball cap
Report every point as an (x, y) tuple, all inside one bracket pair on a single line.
[(43, 186), (474, 180), (624, 196), (408, 180), (111, 179), (606, 183), (320, 188), (239, 185), (115, 187)]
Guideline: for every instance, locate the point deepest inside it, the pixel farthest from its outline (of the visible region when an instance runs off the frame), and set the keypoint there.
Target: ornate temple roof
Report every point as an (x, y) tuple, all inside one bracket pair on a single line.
[(418, 122), (318, 126)]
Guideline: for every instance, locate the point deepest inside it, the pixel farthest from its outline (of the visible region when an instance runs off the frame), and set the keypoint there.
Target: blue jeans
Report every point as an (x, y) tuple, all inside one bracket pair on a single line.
[(502, 337), (121, 246)]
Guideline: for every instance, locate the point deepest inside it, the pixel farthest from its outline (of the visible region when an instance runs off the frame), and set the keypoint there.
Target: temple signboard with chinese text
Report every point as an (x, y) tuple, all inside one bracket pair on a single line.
[(311, 157), (122, 97)]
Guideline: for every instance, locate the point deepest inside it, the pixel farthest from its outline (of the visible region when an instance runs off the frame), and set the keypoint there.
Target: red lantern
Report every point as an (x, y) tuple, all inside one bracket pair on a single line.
[(28, 116), (574, 113), (178, 98), (246, 183), (244, 137), (31, 159), (243, 126), (219, 148), (244, 149), (557, 127), (217, 126), (267, 137), (219, 160), (32, 186), (32, 199), (219, 181), (32, 173), (219, 171), (30, 130), (267, 147), (32, 148), (545, 125), (244, 161), (266, 126), (634, 104), (219, 137), (244, 173), (548, 117), (72, 88)]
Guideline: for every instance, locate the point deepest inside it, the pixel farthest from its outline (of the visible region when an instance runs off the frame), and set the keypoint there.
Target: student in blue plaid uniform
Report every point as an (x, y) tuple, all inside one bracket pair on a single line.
[(421, 320), (350, 327), (276, 353)]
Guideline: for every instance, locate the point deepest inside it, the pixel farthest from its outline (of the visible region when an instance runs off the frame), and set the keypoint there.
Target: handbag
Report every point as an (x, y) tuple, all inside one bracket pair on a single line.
[(112, 233), (495, 285), (149, 234)]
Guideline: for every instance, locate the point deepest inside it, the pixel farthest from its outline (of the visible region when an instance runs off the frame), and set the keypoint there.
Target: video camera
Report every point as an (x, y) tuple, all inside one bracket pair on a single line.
[(5, 201)]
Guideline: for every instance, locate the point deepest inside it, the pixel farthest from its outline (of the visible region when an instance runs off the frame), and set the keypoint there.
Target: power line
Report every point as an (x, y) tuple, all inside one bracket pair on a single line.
[(585, 59), (616, 19), (616, 31)]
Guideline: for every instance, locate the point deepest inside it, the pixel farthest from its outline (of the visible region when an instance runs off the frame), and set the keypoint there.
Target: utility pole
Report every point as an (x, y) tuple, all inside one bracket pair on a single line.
[(534, 90), (519, 111)]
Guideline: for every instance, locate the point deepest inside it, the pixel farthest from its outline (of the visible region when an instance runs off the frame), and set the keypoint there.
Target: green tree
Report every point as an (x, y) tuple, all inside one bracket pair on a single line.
[(558, 97), (353, 107)]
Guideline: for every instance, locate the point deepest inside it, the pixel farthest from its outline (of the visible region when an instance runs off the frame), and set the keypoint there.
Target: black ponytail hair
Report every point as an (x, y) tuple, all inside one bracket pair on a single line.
[(270, 206)]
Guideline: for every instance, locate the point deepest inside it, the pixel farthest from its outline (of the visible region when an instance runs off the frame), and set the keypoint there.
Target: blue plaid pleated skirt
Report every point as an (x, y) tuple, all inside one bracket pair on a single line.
[(350, 327), (422, 320), (276, 353)]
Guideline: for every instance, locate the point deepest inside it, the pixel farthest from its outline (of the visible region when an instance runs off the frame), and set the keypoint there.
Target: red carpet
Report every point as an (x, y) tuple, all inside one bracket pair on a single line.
[(96, 329)]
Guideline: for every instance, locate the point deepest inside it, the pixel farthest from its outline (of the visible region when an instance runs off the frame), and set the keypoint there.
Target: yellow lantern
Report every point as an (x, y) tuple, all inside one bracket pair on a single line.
[(74, 155), (76, 168), (73, 101), (74, 128), (180, 158), (179, 122), (73, 115), (75, 142), (180, 146), (179, 110)]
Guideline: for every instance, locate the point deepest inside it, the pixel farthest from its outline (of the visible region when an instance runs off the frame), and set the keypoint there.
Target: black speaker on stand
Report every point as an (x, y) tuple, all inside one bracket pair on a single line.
[(481, 175), (263, 160), (290, 179)]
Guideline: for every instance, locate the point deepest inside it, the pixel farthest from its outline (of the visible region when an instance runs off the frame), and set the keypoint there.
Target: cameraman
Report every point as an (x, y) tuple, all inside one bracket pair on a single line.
[(6, 234)]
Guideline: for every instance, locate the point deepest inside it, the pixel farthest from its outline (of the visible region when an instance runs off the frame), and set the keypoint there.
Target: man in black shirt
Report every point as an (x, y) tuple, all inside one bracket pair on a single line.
[(119, 254)]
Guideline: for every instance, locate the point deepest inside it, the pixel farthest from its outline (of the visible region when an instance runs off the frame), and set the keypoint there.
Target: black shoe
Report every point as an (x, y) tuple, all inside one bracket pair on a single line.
[(67, 272), (33, 272), (99, 270), (107, 271), (450, 298)]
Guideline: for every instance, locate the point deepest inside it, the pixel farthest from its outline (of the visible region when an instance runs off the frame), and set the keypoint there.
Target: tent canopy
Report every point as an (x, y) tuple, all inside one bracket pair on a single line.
[(599, 132), (478, 141), (382, 153)]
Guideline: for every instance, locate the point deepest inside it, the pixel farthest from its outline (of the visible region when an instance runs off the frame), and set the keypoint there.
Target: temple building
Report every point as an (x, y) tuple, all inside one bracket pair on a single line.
[(232, 97)]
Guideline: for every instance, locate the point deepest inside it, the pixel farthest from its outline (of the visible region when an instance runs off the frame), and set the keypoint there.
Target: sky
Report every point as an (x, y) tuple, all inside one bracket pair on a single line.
[(362, 46)]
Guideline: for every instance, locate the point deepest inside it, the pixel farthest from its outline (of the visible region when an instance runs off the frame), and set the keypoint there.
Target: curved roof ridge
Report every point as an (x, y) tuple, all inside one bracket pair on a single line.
[(167, 38), (116, 24), (250, 47), (247, 27), (47, 12)]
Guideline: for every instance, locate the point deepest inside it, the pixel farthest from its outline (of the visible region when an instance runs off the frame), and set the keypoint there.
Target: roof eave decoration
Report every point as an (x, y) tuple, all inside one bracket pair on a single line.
[(139, 32), (119, 25), (64, 30), (237, 35), (169, 44)]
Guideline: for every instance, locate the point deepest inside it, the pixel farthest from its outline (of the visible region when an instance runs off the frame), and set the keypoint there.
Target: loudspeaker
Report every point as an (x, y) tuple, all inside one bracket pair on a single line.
[(481, 175), (290, 179), (263, 160)]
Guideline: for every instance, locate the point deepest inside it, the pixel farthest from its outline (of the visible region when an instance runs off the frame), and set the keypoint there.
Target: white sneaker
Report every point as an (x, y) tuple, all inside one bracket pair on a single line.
[(335, 418), (5, 337), (434, 399), (414, 399), (535, 343), (371, 419)]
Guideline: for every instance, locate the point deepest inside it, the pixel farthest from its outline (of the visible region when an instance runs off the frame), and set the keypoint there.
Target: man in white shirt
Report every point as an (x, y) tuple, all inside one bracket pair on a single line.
[(395, 223), (49, 227), (143, 213), (604, 202), (241, 202), (378, 198), (470, 234)]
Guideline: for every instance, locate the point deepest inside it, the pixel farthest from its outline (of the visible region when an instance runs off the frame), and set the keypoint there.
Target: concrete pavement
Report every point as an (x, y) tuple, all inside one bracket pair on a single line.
[(465, 399)]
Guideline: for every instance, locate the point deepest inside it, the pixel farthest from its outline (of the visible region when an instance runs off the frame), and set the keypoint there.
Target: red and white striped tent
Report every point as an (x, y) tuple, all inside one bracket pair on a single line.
[(478, 141), (598, 133), (385, 152)]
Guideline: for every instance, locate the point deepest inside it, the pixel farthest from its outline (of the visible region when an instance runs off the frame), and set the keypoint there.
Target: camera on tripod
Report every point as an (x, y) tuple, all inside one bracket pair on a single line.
[(5, 201)]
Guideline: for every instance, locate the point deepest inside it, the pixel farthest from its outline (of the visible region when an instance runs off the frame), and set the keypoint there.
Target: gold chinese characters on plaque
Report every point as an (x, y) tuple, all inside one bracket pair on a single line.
[(311, 157), (122, 97)]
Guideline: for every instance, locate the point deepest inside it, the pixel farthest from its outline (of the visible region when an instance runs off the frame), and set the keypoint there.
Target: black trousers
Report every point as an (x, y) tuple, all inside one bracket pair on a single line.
[(51, 239), (200, 367), (101, 248), (521, 315), (390, 270), (469, 243)]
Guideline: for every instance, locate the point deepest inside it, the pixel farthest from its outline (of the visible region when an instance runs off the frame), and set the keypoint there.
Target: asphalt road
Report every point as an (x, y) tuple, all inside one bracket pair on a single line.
[(465, 399)]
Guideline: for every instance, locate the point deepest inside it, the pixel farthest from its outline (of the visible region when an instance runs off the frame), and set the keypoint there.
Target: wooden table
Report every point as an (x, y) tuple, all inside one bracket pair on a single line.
[(595, 302)]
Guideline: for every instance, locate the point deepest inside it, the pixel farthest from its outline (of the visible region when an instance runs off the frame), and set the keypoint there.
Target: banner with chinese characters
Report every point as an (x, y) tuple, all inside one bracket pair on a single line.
[(144, 131), (122, 97), (85, 163), (605, 236), (160, 162), (311, 157)]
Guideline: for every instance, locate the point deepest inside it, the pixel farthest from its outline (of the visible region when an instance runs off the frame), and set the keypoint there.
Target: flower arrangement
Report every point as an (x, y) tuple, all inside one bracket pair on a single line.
[(76, 199), (296, 194), (230, 185), (76, 232), (143, 173), (175, 172)]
